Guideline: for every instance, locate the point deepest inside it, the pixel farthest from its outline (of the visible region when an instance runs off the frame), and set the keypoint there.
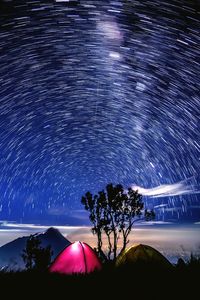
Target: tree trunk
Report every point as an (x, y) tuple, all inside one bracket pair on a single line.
[(114, 245), (99, 241), (109, 245), (99, 247), (124, 241)]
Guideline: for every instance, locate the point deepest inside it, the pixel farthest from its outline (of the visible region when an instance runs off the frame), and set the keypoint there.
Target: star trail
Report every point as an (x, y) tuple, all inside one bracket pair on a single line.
[(93, 92)]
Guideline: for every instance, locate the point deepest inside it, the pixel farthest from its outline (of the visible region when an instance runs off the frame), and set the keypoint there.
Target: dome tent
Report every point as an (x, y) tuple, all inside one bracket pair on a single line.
[(142, 254), (78, 257)]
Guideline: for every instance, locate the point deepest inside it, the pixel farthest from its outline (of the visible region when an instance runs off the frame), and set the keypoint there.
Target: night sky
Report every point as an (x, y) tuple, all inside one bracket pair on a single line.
[(93, 92)]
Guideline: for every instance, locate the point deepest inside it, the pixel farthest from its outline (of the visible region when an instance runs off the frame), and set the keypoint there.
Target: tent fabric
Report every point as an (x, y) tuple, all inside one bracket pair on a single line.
[(142, 254), (78, 257)]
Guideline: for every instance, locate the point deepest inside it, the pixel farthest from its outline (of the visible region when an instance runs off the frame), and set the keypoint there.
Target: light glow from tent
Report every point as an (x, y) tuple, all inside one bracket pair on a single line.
[(75, 246), (77, 258)]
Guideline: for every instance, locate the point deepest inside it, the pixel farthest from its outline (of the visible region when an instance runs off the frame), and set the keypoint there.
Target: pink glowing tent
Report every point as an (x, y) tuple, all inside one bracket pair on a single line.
[(76, 258)]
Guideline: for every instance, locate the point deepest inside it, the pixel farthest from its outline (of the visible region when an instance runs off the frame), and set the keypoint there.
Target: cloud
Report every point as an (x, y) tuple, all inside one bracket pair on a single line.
[(58, 210), (14, 226), (168, 190), (79, 214)]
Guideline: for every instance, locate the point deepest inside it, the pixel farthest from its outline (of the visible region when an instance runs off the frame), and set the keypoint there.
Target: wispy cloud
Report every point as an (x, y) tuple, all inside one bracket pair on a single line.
[(6, 225), (80, 214), (167, 190)]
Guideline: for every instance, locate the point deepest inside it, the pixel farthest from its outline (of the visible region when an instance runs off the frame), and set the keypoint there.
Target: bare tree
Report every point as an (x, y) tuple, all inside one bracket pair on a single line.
[(113, 213)]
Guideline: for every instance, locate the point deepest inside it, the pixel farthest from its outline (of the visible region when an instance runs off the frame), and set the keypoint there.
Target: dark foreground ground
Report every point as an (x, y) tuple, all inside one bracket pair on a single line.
[(138, 282)]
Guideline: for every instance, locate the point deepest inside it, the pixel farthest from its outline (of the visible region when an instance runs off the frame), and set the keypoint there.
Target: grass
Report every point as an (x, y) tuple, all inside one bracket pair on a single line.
[(139, 281)]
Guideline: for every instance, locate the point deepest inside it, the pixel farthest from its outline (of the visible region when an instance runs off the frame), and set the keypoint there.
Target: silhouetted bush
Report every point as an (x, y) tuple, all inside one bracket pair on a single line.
[(35, 256), (145, 281)]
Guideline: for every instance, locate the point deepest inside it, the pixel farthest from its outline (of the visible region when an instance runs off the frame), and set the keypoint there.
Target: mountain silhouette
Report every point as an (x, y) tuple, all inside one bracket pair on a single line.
[(11, 253)]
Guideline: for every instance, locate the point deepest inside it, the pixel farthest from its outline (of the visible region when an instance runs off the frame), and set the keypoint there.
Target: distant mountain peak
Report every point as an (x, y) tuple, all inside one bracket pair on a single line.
[(10, 253), (52, 231)]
